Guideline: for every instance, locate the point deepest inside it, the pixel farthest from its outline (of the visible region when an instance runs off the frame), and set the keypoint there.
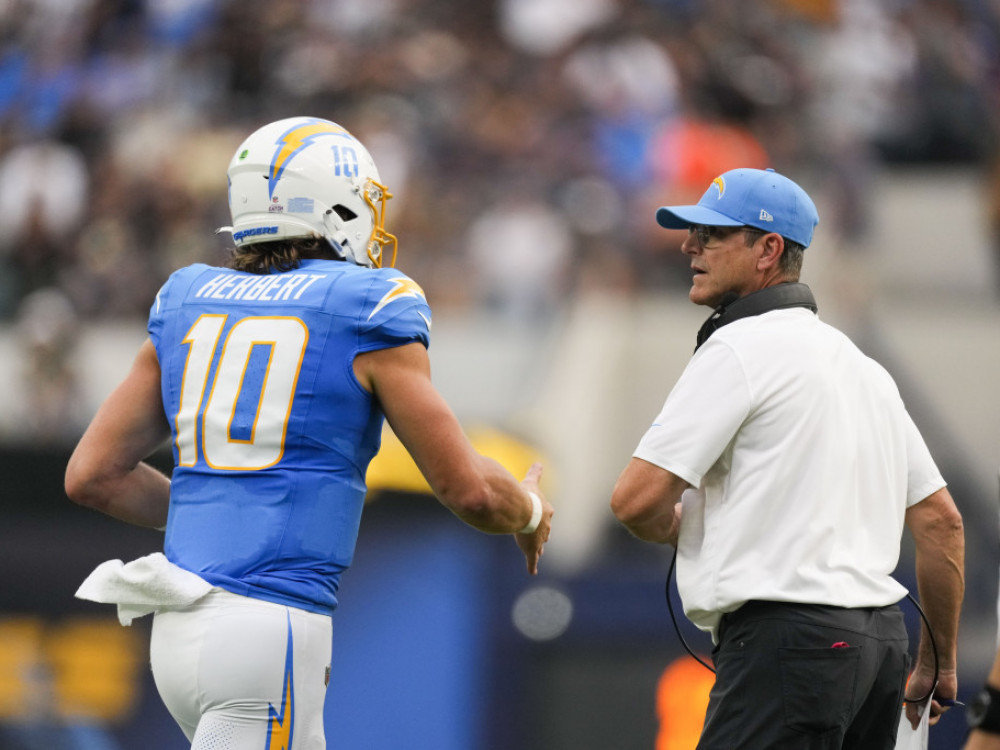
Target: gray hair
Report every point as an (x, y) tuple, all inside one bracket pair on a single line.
[(790, 262)]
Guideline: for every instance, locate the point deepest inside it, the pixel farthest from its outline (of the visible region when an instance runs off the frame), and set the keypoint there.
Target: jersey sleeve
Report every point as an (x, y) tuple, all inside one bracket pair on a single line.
[(395, 313), (154, 326), (168, 296)]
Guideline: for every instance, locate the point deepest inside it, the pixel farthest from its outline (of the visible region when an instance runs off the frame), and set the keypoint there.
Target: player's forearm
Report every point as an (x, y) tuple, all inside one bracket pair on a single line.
[(140, 495), (106, 471), (495, 502), (980, 740)]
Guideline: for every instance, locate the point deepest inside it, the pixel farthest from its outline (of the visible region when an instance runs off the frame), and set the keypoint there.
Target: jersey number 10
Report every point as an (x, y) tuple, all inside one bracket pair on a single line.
[(265, 408)]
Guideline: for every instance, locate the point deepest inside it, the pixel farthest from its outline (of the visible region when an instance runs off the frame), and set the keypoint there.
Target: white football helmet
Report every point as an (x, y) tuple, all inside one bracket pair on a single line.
[(307, 177)]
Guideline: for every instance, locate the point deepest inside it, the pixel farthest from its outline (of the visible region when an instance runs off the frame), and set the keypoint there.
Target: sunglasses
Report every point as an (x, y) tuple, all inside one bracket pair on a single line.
[(706, 234)]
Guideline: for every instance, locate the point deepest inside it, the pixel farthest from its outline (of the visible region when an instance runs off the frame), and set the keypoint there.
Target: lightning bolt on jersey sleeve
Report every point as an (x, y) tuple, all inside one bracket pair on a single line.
[(395, 313), (272, 433)]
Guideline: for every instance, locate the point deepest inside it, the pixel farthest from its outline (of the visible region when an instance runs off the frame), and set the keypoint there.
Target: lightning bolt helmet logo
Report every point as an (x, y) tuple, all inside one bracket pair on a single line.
[(294, 141)]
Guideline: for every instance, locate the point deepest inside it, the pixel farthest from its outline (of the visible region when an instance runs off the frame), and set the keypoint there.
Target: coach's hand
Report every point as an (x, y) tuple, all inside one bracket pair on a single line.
[(532, 544), (920, 684)]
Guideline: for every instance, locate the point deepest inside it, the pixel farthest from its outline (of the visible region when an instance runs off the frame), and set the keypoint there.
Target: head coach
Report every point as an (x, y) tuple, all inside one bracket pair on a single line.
[(783, 467)]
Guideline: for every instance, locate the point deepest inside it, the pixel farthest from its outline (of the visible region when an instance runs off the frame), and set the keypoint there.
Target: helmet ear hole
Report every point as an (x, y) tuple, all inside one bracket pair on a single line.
[(344, 212)]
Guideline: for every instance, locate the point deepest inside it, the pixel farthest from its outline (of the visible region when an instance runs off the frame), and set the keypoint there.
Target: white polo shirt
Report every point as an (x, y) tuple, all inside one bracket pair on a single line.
[(803, 459)]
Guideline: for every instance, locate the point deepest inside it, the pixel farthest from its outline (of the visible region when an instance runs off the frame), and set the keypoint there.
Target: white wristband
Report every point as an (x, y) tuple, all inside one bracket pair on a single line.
[(536, 514)]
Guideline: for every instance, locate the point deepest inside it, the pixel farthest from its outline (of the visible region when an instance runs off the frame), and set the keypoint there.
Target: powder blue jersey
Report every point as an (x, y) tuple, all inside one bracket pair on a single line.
[(272, 433)]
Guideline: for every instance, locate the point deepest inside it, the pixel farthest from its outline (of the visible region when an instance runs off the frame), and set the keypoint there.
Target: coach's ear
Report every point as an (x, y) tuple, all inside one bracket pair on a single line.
[(769, 249)]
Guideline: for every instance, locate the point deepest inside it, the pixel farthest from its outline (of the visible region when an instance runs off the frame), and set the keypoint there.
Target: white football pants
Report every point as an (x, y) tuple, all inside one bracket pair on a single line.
[(242, 674)]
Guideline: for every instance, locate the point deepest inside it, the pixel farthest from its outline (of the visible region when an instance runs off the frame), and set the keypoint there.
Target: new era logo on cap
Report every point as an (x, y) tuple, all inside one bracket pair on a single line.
[(759, 198)]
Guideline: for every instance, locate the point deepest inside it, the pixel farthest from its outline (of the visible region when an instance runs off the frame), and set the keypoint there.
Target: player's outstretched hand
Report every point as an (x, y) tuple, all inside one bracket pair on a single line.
[(532, 544)]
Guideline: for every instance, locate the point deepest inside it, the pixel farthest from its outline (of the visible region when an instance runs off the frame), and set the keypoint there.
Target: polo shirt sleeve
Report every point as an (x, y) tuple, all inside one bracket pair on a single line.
[(923, 477), (701, 416)]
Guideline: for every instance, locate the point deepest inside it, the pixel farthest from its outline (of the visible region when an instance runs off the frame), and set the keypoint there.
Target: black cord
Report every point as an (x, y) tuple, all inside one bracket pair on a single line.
[(673, 618), (930, 634), (677, 629)]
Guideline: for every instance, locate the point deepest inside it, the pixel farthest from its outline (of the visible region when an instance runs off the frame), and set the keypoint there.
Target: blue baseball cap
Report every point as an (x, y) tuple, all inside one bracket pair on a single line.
[(759, 198)]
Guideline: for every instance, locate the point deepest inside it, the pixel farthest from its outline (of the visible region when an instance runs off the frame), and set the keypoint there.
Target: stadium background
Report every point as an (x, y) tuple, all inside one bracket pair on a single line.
[(527, 143)]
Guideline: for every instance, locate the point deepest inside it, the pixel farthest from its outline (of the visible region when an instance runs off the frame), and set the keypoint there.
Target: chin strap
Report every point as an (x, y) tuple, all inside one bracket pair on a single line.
[(733, 307)]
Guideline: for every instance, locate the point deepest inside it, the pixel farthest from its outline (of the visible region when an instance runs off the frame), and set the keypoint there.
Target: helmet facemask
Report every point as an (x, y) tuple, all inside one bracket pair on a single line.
[(376, 195)]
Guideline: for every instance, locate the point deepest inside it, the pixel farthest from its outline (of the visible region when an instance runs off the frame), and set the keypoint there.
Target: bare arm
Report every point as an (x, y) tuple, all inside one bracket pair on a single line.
[(474, 487), (645, 501), (106, 471), (938, 535), (978, 739)]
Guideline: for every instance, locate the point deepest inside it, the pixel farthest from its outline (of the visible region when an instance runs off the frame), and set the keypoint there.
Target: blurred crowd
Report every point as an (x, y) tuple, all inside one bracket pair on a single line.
[(527, 142)]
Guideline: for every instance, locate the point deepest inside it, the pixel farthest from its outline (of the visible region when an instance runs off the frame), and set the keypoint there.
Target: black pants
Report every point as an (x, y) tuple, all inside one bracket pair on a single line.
[(807, 677)]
